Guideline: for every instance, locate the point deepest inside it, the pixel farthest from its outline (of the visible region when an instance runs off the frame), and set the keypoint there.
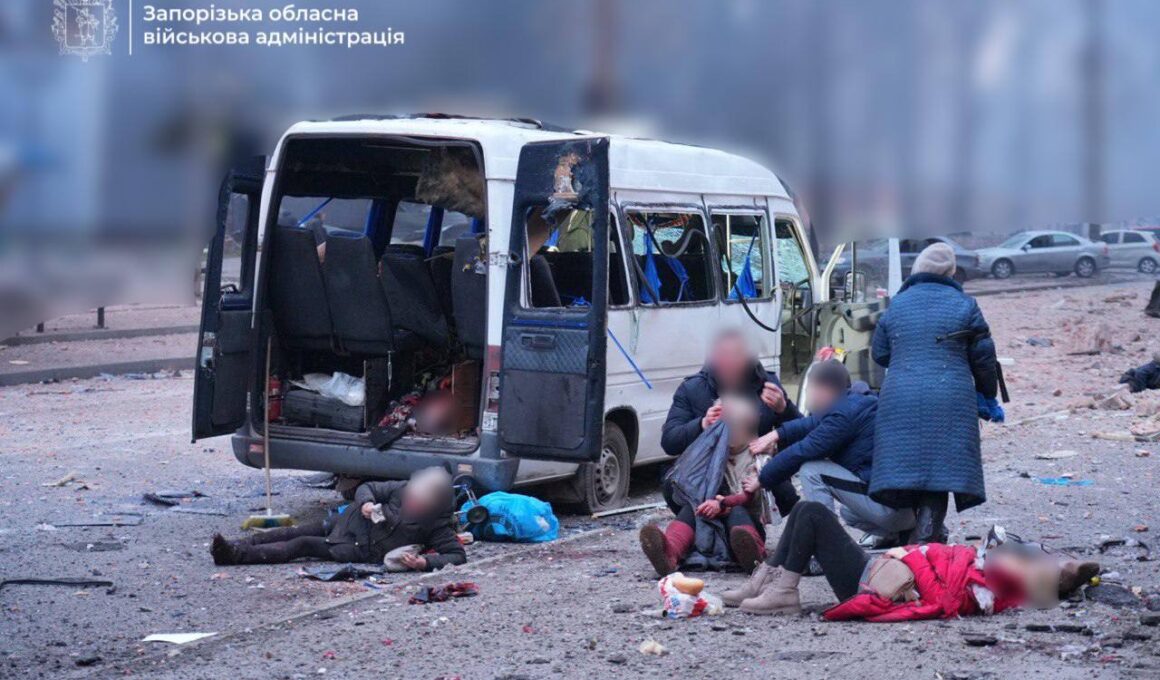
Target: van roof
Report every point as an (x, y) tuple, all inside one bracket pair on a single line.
[(635, 164)]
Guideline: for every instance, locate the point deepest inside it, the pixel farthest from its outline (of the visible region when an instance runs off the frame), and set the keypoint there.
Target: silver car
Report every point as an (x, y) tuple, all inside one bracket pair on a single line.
[(1139, 250), (1041, 252)]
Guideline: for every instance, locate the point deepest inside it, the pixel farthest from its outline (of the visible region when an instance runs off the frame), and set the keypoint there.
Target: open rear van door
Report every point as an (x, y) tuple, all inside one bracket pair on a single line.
[(552, 374), (225, 344)]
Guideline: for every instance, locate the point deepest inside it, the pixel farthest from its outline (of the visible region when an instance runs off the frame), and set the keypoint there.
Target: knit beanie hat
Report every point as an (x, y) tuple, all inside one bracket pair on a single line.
[(937, 258)]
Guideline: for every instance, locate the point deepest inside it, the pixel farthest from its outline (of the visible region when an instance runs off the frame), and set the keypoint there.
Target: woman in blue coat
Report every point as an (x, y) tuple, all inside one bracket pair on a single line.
[(939, 353)]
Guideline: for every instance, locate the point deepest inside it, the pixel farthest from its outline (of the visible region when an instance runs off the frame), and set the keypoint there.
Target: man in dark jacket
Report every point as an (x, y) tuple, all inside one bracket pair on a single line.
[(832, 451), (384, 516), (731, 368)]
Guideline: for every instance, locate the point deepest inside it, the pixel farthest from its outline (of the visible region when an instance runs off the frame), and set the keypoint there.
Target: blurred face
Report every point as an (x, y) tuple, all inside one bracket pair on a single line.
[(730, 362), (820, 398), (741, 417), (424, 494)]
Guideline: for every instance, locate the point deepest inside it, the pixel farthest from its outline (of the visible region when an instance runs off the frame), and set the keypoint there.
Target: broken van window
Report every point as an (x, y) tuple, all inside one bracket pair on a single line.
[(741, 242), (671, 256)]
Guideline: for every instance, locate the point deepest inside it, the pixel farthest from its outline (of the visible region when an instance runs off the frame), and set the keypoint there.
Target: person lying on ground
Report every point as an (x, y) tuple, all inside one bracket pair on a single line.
[(383, 517), (738, 510), (731, 368), (909, 583), (832, 452)]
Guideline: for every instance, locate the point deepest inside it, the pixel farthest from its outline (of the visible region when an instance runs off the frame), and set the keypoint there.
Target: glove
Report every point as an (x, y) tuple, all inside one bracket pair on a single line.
[(989, 409)]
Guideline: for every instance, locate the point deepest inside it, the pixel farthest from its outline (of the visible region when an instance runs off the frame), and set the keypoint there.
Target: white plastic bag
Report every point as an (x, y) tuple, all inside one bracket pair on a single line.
[(346, 388), (681, 605)]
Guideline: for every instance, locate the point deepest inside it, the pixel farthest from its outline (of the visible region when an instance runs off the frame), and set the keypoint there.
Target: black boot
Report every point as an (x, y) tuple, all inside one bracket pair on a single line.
[(930, 520), (282, 534), (263, 553), (222, 550)]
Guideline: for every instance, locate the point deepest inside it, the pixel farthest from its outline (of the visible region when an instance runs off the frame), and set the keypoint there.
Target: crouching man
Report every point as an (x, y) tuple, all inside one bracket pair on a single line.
[(832, 452), (384, 516)]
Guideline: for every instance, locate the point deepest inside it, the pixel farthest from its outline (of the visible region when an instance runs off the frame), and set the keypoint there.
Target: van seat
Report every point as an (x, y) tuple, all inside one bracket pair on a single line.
[(297, 294), (358, 307), (469, 296), (411, 294), (572, 274)]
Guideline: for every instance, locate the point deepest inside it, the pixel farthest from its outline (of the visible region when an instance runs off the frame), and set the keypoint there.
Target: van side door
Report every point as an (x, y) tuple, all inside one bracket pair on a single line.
[(225, 343), (552, 376)]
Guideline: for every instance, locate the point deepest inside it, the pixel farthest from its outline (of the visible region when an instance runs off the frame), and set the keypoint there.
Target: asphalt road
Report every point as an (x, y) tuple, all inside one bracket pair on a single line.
[(575, 608)]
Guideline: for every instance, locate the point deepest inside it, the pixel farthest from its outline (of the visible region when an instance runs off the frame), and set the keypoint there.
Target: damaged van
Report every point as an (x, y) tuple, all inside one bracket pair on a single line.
[(514, 302)]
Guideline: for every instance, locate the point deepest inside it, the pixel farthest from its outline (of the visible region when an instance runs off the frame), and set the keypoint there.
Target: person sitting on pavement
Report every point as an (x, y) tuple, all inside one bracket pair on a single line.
[(383, 517), (732, 368), (909, 583), (736, 509), (832, 452)]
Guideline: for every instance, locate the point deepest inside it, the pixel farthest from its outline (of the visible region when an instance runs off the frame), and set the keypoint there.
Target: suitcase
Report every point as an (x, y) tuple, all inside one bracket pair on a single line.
[(310, 408)]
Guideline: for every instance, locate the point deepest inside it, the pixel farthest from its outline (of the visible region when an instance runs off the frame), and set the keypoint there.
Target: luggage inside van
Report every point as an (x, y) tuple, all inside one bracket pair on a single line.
[(375, 271)]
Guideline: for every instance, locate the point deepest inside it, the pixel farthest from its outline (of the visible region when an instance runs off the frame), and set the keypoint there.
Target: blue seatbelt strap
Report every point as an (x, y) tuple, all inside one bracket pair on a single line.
[(314, 212), (434, 228), (476, 225), (629, 359), (553, 239), (674, 264)]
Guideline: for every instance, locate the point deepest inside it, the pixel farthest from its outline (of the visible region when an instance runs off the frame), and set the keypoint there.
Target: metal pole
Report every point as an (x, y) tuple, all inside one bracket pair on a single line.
[(1093, 117), (100, 317)]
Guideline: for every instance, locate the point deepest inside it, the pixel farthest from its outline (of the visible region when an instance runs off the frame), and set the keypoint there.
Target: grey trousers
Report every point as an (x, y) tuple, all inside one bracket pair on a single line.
[(856, 508)]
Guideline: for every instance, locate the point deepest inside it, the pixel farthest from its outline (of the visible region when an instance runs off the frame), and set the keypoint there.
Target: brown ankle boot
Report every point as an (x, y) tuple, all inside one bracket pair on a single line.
[(747, 546), (665, 549), (752, 587), (779, 595), (1075, 573)]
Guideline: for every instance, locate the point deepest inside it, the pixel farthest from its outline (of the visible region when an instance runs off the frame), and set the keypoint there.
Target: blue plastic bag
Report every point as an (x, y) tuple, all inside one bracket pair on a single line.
[(515, 518)]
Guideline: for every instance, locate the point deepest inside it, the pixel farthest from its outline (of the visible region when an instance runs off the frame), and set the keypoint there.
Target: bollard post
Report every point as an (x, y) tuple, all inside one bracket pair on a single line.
[(100, 317)]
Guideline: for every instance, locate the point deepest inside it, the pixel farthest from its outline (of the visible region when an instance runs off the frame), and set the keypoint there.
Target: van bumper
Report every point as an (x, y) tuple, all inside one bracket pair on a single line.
[(493, 474)]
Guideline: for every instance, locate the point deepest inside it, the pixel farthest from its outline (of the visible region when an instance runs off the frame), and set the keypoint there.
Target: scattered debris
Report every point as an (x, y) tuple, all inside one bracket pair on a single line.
[(429, 594), (976, 640), (95, 546), (86, 661), (1142, 549), (1057, 455), (631, 508), (176, 638), (1040, 342), (65, 581), (171, 498), (1064, 481), (1140, 528), (653, 648), (213, 512), (340, 572), (1150, 619), (63, 481), (321, 480)]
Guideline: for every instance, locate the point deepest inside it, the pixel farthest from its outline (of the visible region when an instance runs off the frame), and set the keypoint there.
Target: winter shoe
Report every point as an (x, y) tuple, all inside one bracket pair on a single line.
[(223, 551), (929, 520), (665, 549), (1075, 573), (747, 546), (752, 586), (779, 595)]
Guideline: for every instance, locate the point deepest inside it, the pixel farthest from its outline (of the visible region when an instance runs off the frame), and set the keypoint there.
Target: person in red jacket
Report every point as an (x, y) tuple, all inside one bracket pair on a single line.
[(949, 580)]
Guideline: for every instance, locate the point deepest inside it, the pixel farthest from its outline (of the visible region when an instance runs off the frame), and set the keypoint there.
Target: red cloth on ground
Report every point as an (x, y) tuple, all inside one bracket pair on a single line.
[(943, 577)]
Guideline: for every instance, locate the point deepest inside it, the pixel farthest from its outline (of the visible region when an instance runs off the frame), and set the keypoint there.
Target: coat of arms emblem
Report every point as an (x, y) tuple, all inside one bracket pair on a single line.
[(84, 27)]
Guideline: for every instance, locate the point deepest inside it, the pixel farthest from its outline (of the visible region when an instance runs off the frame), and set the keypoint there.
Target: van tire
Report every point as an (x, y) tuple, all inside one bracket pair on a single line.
[(603, 485)]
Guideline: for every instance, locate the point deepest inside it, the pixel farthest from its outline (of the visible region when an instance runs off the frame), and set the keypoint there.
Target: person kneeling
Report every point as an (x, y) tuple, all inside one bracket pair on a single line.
[(909, 583), (735, 510), (384, 517), (832, 452)]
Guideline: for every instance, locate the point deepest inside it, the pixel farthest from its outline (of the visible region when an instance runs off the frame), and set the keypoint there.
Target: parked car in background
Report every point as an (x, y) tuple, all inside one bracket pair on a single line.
[(1135, 249), (873, 255), (1042, 252), (1155, 231)]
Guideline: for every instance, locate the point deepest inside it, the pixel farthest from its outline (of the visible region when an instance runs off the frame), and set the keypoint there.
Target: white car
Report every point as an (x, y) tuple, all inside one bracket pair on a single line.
[(1139, 250)]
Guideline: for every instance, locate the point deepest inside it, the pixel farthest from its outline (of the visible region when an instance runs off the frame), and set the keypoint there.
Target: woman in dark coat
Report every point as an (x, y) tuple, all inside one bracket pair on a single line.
[(939, 353)]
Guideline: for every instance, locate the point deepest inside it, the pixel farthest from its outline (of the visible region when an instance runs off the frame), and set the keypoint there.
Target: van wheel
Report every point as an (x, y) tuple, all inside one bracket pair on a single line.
[(603, 485), (1085, 267), (1147, 266)]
